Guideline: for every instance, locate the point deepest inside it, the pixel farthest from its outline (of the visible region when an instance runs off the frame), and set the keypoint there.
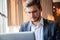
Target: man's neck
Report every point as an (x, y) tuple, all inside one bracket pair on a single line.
[(36, 22)]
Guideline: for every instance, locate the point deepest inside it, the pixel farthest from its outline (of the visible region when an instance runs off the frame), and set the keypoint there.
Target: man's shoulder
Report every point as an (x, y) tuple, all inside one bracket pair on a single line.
[(25, 23), (50, 21), (23, 26)]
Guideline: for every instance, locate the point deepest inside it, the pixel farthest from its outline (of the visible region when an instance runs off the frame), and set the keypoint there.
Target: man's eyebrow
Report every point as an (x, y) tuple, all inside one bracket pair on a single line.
[(34, 11)]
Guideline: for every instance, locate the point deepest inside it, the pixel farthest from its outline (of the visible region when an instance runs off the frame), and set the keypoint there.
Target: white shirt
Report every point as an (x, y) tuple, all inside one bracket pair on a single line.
[(38, 30)]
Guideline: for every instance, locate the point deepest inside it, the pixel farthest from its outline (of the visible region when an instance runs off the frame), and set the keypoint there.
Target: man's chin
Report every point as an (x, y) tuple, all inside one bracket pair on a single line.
[(34, 20)]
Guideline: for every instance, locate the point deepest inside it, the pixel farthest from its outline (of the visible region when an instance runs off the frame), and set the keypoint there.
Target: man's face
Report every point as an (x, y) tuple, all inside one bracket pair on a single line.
[(34, 13)]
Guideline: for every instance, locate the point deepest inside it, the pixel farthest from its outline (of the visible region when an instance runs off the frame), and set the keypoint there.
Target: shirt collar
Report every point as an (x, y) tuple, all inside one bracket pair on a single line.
[(41, 22)]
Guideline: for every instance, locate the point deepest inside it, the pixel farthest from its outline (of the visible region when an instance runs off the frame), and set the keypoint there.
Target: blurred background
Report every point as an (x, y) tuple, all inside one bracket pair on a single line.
[(12, 13)]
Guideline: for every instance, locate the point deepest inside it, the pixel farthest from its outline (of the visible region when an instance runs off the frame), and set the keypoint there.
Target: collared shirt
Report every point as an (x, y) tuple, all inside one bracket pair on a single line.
[(38, 30)]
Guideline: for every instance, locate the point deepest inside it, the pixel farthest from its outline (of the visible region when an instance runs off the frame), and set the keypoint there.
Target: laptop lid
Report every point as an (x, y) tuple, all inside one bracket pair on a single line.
[(17, 36)]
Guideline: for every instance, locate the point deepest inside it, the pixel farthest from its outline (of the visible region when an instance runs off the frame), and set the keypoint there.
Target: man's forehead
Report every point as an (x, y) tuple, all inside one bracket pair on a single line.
[(31, 8)]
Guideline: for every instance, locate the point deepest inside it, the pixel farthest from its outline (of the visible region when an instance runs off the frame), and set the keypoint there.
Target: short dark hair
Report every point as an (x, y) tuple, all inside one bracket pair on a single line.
[(29, 3)]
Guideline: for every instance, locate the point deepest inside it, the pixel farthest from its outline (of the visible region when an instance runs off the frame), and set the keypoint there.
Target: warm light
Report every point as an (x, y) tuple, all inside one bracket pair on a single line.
[(50, 17), (59, 9), (53, 6)]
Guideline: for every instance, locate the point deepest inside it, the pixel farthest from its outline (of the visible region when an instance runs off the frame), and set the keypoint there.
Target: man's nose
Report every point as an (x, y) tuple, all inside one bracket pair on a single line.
[(32, 14)]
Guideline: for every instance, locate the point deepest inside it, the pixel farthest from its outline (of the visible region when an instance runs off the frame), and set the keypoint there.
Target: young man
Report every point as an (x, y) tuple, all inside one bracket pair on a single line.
[(44, 29)]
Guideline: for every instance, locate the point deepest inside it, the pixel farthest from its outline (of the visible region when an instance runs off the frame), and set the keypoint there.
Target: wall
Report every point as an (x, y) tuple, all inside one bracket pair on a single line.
[(15, 12), (47, 9), (56, 0), (3, 19)]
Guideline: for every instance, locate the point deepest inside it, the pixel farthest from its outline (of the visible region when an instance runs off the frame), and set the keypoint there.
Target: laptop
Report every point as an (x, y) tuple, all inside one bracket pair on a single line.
[(17, 36)]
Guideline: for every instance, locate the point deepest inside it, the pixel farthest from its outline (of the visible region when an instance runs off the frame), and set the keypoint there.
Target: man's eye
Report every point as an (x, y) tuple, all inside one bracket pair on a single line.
[(29, 12)]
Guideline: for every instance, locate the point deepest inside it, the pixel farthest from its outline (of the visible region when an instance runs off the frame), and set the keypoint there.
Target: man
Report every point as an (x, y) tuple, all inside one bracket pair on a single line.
[(44, 29)]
